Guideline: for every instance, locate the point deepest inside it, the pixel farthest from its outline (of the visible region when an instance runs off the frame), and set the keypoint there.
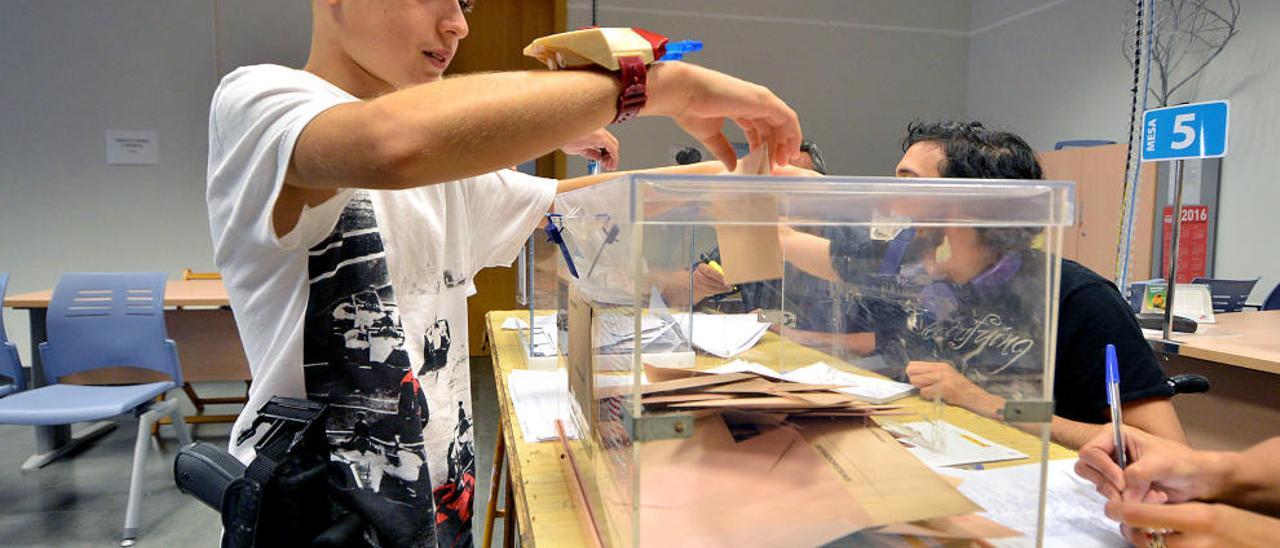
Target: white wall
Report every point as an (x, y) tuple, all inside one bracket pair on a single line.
[(1056, 72), (71, 71), (856, 72)]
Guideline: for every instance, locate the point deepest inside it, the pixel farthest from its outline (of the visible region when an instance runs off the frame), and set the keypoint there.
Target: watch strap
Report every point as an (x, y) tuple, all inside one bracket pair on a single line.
[(632, 98)]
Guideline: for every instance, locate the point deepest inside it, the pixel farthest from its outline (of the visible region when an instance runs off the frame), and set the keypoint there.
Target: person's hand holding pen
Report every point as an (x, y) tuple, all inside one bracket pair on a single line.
[(1159, 470)]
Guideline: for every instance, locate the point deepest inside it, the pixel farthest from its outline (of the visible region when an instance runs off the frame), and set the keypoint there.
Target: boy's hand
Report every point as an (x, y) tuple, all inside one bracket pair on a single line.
[(599, 145), (941, 379), (700, 99)]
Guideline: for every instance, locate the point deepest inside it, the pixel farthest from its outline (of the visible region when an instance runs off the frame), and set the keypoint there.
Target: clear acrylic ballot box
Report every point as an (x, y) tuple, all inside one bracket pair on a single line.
[(737, 351)]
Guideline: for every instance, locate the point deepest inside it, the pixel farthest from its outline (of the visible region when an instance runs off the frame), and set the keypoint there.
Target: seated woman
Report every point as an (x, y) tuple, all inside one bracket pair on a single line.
[(959, 316)]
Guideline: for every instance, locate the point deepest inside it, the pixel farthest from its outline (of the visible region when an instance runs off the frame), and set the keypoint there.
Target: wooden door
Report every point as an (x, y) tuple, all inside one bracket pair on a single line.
[(1099, 176), (500, 29)]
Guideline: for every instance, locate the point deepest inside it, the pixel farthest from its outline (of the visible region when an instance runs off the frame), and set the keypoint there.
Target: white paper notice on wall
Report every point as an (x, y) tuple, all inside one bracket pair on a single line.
[(132, 147)]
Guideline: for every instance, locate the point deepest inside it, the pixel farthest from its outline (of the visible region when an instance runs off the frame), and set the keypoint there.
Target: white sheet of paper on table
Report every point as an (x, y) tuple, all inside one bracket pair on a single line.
[(959, 446), (540, 398), (1074, 510)]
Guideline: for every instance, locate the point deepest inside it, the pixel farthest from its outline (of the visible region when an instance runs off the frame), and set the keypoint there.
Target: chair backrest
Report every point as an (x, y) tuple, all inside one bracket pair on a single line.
[(1273, 299), (10, 366), (1228, 295), (4, 282), (1081, 143), (98, 320)]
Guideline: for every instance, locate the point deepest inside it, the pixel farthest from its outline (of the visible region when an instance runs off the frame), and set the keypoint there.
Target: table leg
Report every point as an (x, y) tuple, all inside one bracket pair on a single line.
[(53, 441)]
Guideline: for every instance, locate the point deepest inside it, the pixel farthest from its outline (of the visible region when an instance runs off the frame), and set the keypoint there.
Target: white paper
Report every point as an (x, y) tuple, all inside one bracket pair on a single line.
[(871, 389), (723, 335), (1074, 512), (516, 322), (540, 398), (125, 147), (740, 366), (958, 446)]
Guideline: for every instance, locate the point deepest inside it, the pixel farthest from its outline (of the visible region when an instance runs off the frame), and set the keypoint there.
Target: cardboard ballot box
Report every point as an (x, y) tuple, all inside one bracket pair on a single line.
[(736, 349)]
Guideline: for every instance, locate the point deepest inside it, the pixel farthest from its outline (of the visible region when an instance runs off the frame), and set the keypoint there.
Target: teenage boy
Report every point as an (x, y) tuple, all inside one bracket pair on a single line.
[(352, 202)]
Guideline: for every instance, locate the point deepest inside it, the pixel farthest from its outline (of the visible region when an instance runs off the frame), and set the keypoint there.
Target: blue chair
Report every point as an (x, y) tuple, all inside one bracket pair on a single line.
[(10, 365), (95, 321), (1272, 302), (1228, 295)]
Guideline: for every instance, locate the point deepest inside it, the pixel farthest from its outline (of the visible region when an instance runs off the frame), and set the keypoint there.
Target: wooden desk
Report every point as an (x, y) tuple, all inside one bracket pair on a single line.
[(1240, 355), (209, 349), (544, 505), (1243, 339)]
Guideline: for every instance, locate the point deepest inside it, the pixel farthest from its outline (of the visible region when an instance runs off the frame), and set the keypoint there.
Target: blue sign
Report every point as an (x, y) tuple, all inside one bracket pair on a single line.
[(1198, 130)]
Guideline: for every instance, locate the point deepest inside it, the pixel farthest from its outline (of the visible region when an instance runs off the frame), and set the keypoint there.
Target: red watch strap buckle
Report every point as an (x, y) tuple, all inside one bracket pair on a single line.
[(634, 94)]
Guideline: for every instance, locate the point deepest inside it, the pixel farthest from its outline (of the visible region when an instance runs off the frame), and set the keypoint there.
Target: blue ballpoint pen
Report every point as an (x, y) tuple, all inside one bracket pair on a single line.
[(1113, 400)]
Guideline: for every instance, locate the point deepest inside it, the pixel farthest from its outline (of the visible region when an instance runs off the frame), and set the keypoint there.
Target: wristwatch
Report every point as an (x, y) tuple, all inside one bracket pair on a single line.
[(626, 51)]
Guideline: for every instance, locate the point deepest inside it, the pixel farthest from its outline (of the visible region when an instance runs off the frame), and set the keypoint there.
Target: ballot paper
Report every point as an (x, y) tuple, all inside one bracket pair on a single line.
[(1073, 515), (540, 398), (516, 322), (544, 337), (869, 389), (615, 333), (723, 335), (958, 446), (741, 366)]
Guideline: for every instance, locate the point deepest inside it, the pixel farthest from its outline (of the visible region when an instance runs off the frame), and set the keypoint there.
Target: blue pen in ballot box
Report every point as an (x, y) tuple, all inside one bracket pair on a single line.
[(555, 234)]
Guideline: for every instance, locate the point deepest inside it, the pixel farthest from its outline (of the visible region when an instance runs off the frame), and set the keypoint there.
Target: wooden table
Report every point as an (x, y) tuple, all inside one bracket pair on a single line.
[(1240, 355), (543, 503), (1244, 339), (209, 349)]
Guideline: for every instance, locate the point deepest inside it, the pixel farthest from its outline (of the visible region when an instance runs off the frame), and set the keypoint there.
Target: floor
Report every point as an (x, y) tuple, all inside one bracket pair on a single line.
[(80, 501)]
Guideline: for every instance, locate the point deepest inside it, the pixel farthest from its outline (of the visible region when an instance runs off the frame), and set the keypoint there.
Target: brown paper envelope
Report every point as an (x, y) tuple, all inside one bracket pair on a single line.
[(771, 490), (883, 477), (824, 399), (968, 526), (801, 387), (692, 382), (748, 252), (749, 403), (681, 398), (757, 385), (657, 373)]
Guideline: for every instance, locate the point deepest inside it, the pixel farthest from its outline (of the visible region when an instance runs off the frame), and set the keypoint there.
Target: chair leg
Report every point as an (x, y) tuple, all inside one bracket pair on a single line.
[(140, 451), (180, 426), (135, 479)]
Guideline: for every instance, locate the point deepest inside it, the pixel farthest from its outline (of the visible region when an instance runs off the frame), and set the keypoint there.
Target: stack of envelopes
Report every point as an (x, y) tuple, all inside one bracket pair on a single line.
[(689, 390)]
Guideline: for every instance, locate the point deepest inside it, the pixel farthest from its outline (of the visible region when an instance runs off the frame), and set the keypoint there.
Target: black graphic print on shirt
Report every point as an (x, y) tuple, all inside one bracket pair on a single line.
[(355, 361), (435, 344)]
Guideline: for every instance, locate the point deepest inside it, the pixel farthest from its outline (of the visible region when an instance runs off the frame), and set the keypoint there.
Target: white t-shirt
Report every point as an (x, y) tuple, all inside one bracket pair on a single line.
[(363, 304)]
